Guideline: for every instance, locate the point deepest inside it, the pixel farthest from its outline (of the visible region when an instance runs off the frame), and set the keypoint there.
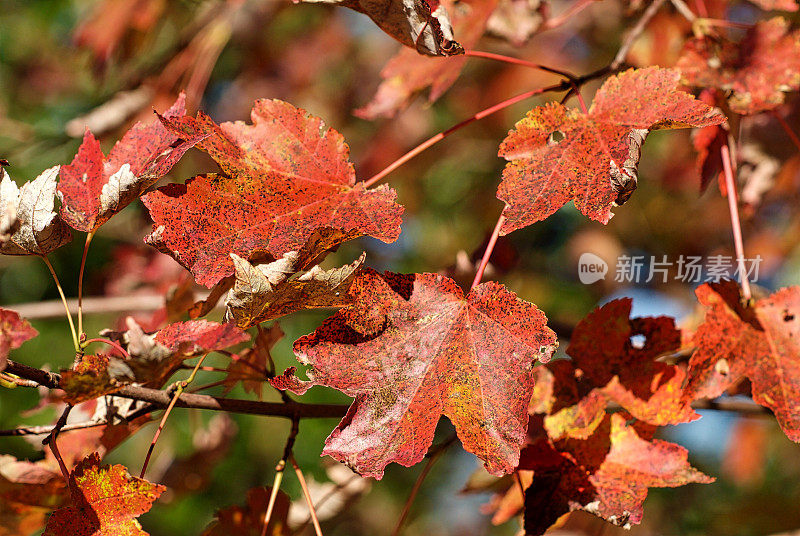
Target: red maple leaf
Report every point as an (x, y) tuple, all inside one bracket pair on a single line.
[(153, 357), (14, 330), (757, 71), (106, 501), (93, 188), (608, 474), (603, 348), (558, 154), (760, 342), (408, 73), (411, 348), (422, 25), (285, 177), (607, 366), (88, 379)]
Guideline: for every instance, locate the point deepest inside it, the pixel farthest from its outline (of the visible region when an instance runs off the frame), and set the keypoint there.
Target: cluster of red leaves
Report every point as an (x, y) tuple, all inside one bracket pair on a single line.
[(756, 71), (579, 456), (411, 348), (30, 491)]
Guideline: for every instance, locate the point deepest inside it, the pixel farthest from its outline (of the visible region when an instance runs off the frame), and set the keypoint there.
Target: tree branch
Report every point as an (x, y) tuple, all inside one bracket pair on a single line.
[(161, 399)]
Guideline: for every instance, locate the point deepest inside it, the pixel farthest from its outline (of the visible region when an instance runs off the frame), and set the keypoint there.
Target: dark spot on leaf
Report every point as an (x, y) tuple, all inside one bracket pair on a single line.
[(555, 137)]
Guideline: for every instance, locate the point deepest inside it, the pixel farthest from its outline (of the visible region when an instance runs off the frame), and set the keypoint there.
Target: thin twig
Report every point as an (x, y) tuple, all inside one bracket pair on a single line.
[(442, 135), (307, 495), (46, 430), (108, 342), (89, 236), (488, 253), (581, 102), (570, 12), (63, 301), (276, 485), (721, 23), (433, 456), (287, 452), (12, 382), (51, 440), (686, 12), (517, 61), (94, 305), (179, 388), (737, 228)]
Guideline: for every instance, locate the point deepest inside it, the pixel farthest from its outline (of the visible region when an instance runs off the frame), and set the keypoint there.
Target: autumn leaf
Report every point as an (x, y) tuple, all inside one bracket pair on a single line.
[(249, 520), (251, 365), (422, 25), (14, 331), (106, 501), (39, 230), (408, 73), (756, 71), (608, 474), (760, 342), (517, 20), (285, 178), (154, 357), (607, 366), (265, 292), (411, 348), (28, 492), (557, 154), (9, 205), (603, 348), (88, 379), (708, 142), (93, 188)]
